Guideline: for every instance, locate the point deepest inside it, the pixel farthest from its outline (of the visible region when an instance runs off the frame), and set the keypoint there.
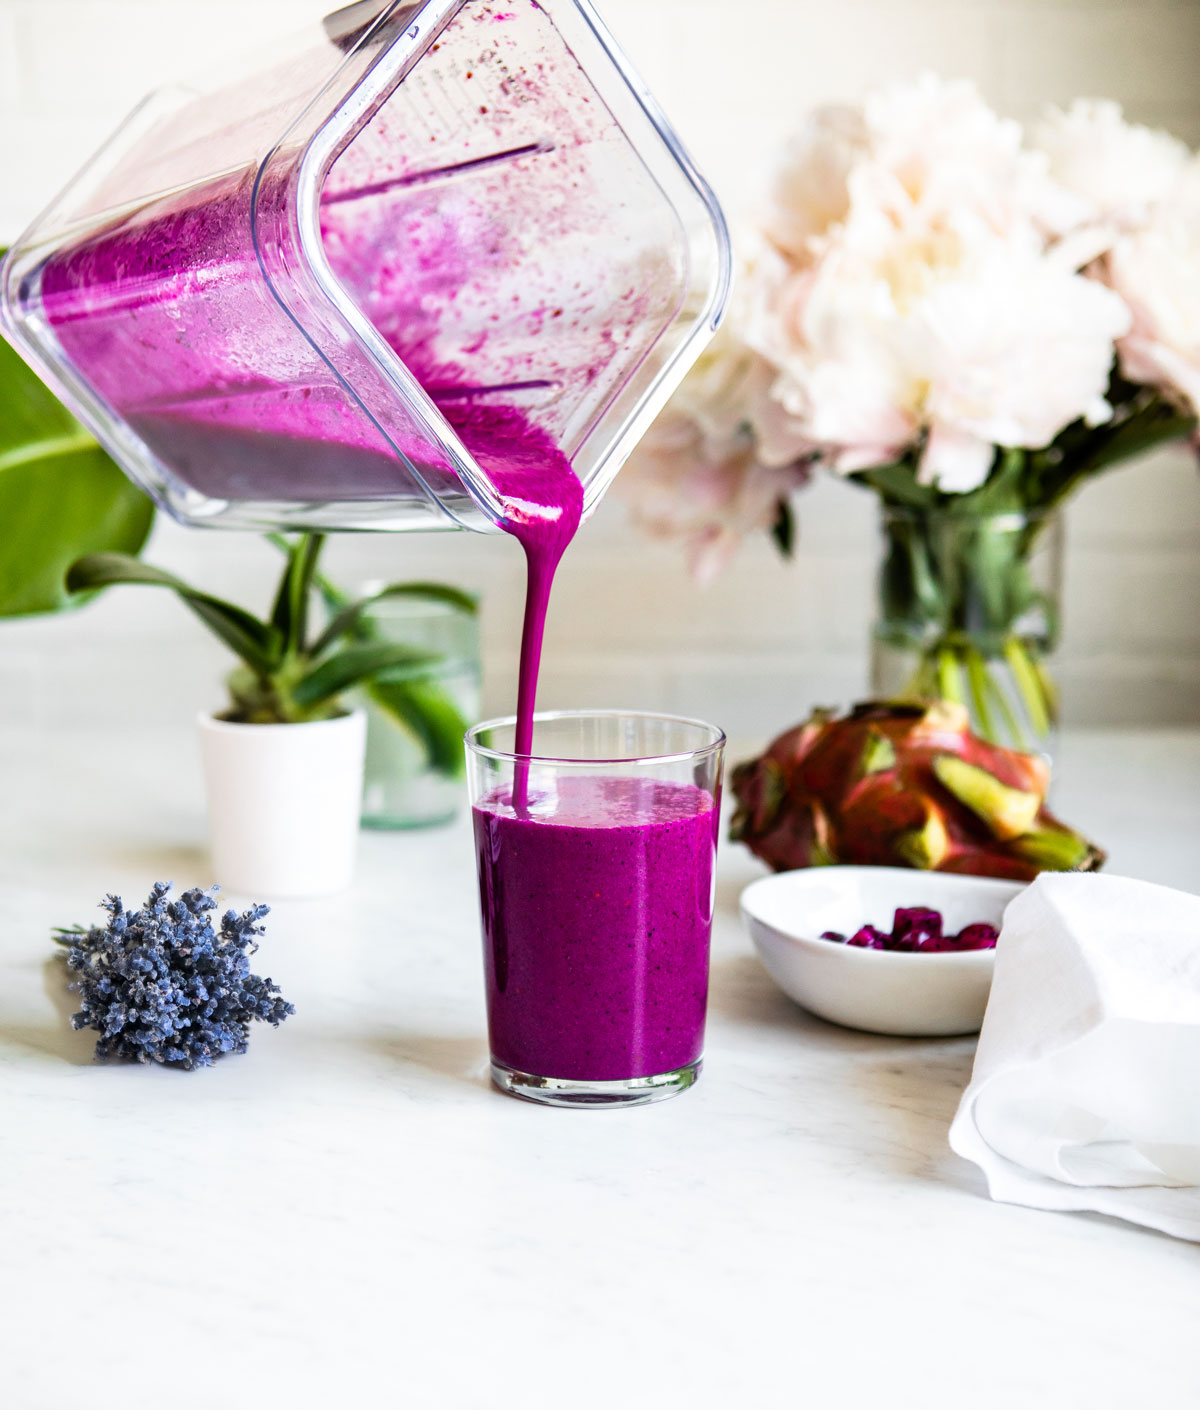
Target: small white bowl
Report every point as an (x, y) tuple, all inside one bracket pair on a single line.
[(880, 991)]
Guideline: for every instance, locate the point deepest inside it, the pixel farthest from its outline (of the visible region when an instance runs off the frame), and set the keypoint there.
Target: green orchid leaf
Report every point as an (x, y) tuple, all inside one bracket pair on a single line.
[(60, 495), (426, 710), (347, 620), (281, 611), (257, 643), (355, 665), (331, 595), (289, 616), (408, 695)]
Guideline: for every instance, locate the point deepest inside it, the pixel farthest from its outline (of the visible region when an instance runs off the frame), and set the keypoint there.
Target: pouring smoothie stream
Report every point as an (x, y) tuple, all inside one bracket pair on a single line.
[(596, 881), (438, 265)]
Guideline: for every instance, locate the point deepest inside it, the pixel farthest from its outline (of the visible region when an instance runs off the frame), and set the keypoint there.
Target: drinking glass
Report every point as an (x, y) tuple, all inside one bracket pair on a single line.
[(596, 857)]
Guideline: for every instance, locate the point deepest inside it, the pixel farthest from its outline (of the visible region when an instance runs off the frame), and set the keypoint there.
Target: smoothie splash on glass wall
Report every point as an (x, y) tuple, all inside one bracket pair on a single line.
[(432, 266)]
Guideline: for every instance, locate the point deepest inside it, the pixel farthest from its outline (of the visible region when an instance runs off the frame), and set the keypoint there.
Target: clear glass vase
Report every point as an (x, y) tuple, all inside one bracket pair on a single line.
[(969, 611), (416, 719)]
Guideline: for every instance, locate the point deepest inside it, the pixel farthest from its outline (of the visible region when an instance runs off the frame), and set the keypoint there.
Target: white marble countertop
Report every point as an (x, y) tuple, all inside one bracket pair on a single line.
[(349, 1216)]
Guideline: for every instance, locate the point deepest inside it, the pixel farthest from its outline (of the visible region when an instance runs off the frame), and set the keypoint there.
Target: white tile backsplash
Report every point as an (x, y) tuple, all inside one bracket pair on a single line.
[(768, 639)]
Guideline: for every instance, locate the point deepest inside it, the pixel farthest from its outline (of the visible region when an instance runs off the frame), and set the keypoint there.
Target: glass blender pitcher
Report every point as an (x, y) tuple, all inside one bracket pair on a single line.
[(285, 300)]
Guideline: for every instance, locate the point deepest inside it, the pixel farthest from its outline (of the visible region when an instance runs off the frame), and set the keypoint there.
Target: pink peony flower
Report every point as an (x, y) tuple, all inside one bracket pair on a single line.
[(926, 285), (950, 154), (918, 296), (683, 485), (718, 461), (1156, 271), (1011, 349), (1115, 171), (811, 188), (933, 325)]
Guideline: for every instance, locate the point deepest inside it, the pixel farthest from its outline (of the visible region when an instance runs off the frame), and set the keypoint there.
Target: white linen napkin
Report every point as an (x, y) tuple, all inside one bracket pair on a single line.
[(1086, 1087)]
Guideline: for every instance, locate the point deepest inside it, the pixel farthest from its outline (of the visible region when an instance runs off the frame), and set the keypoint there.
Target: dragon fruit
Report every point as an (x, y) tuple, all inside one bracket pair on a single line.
[(902, 784), (918, 929)]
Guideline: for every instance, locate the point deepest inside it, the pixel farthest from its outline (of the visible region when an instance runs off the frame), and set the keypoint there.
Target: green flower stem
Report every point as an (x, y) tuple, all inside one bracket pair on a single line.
[(1029, 685), (957, 592), (1012, 725), (1048, 686), (981, 688), (956, 669), (948, 665)]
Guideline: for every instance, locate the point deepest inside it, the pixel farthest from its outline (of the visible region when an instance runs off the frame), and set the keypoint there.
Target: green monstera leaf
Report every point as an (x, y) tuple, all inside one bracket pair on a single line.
[(61, 496)]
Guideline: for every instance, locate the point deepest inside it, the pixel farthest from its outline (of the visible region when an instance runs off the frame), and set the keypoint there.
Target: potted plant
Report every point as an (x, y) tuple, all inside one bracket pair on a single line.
[(283, 762)]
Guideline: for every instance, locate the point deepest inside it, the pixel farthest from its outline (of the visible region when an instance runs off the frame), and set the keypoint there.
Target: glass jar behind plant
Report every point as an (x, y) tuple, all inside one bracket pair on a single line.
[(416, 717), (969, 611)]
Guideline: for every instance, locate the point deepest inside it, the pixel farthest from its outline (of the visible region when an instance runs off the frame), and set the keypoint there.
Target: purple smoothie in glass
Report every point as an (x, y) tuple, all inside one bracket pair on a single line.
[(597, 914)]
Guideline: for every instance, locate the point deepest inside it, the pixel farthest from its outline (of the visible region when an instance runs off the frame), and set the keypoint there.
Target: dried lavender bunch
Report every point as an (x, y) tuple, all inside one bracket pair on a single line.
[(160, 985)]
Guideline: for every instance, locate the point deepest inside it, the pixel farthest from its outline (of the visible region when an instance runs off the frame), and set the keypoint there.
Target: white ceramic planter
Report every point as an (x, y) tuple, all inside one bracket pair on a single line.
[(284, 804)]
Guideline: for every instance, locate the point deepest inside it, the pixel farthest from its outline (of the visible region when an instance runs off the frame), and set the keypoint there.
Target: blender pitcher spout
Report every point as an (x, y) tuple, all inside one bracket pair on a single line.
[(320, 293)]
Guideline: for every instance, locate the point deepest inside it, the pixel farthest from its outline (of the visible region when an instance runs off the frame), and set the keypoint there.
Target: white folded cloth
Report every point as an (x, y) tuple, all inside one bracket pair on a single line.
[(1086, 1088)]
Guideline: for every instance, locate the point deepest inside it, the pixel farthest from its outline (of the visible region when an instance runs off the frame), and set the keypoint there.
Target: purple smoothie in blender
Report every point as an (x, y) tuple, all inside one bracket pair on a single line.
[(321, 297)]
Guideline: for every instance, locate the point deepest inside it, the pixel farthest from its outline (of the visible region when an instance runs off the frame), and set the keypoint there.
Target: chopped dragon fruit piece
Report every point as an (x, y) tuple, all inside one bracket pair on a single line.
[(870, 937), (916, 928), (979, 936)]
